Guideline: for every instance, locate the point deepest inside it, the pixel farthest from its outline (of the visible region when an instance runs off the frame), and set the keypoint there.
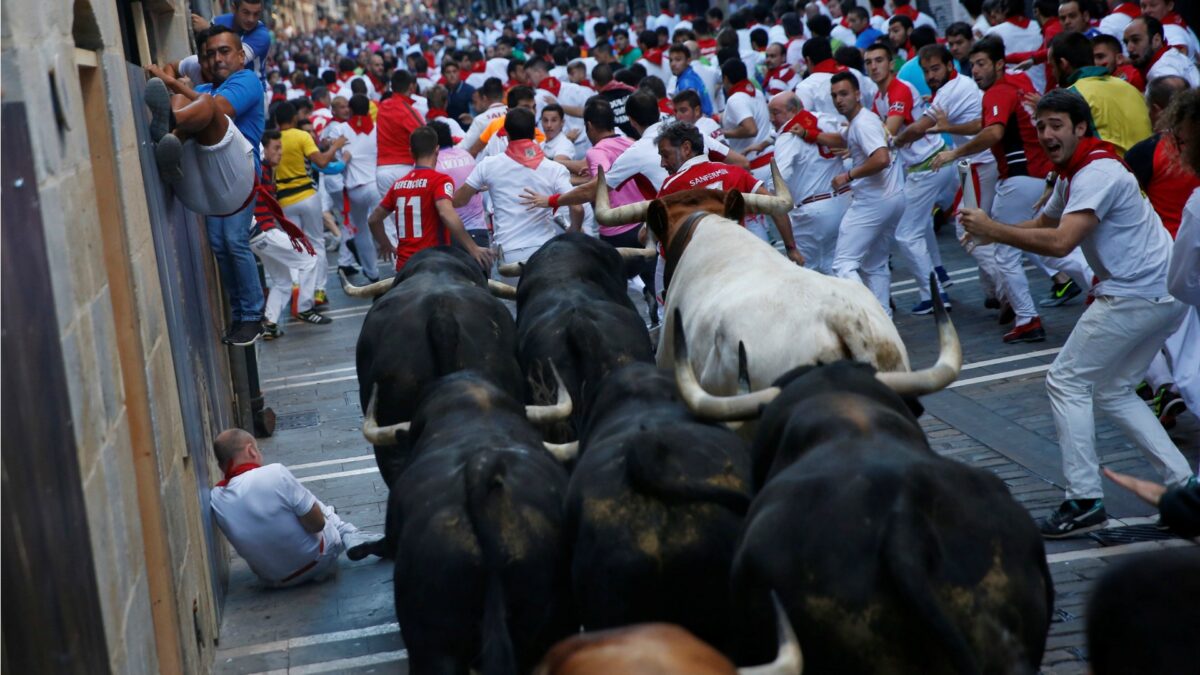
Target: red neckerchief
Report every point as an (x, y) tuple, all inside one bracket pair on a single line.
[(435, 113), (744, 87), (707, 46), (622, 52), (237, 471), (665, 106), (319, 105), (1173, 19), (806, 121), (829, 66), (281, 97), (845, 22), (1018, 21), (1089, 150), (617, 85), (551, 84), (361, 124), (667, 14), (526, 153), (911, 12), (587, 83), (376, 82), (479, 67), (879, 12), (346, 77), (751, 25), (1157, 55), (655, 55), (441, 81), (510, 84)]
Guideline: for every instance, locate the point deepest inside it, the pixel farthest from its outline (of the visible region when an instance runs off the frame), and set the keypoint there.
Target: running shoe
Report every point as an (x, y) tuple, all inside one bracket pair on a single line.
[(926, 306), (944, 279), (1061, 294), (1073, 517), (246, 334), (1030, 332), (158, 100), (312, 317), (271, 331)]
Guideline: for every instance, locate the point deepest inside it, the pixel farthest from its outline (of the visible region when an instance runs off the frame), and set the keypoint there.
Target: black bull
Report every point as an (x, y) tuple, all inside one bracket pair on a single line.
[(573, 311), (886, 556), (438, 318), (475, 522), (654, 508)]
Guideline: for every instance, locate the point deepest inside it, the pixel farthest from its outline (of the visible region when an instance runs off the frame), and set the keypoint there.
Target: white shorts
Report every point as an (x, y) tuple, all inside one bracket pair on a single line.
[(217, 179)]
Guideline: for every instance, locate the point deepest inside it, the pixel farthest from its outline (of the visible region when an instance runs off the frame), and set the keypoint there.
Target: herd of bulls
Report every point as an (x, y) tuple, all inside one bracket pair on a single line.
[(545, 474)]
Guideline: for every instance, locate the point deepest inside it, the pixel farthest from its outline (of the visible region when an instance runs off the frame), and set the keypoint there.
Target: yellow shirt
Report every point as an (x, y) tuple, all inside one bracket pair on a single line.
[(292, 182), (1119, 112), (373, 111)]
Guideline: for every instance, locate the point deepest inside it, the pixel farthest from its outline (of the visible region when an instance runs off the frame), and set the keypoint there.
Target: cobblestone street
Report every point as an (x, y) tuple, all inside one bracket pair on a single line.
[(995, 417)]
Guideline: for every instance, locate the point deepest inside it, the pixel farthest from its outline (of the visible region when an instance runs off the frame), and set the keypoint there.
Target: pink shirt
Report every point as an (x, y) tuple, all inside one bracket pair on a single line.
[(458, 164), (603, 154)]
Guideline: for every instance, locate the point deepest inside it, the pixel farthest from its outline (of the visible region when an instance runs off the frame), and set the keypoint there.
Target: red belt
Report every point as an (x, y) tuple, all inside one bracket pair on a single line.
[(825, 195), (762, 160), (309, 566)]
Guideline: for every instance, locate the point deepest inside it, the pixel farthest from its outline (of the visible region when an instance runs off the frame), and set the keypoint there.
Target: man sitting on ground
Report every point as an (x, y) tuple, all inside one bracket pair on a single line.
[(285, 534)]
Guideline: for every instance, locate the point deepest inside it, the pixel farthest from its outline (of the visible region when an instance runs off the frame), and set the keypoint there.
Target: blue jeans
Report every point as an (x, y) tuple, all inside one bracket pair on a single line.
[(229, 238)]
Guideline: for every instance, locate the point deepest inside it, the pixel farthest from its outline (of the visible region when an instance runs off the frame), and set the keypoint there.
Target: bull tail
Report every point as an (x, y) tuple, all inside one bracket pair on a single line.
[(652, 472), (907, 543), (442, 332), (487, 501)]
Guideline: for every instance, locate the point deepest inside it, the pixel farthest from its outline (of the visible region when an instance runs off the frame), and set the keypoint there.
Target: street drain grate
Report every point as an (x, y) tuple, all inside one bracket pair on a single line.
[(297, 420), (1129, 534)]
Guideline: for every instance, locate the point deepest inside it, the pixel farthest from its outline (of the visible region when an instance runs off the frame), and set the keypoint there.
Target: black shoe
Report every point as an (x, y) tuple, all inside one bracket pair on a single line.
[(1061, 294), (943, 277), (312, 317), (1145, 392), (271, 331), (1072, 518), (158, 100), (991, 303), (246, 334), (1167, 406), (348, 269), (1007, 315), (233, 327), (168, 154)]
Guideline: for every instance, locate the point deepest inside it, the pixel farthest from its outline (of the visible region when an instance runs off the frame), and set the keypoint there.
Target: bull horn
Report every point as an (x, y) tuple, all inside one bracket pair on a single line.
[(949, 362), (780, 204), (548, 414), (628, 253), (606, 215), (704, 404), (511, 269), (372, 290), (789, 661), (502, 290), (375, 434), (563, 452)]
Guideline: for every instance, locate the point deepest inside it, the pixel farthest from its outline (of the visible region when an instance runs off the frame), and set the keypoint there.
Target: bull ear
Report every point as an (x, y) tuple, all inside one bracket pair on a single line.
[(735, 206), (656, 220)]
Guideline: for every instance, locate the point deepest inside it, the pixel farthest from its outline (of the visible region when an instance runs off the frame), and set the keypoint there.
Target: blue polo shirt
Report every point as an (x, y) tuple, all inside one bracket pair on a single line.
[(259, 40), (688, 79), (243, 92)]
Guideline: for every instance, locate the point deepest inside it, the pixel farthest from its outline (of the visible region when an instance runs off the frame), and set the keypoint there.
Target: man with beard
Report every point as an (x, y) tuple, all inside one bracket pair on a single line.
[(1149, 51)]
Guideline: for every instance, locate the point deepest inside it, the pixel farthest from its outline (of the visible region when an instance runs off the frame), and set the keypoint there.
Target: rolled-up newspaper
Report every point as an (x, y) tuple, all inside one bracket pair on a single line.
[(970, 200)]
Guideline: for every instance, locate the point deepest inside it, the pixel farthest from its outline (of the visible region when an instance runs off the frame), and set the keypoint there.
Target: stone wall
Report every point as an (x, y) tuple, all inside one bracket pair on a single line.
[(151, 561)]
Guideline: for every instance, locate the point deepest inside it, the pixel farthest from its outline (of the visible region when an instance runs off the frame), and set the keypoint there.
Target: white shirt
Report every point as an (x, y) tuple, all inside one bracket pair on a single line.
[(711, 129), (1130, 249), (334, 183), (363, 151), (514, 224), (259, 512), (497, 67), (569, 94), (1027, 39), (1183, 276), (742, 106), (661, 72), (640, 159), (1174, 62), (921, 149), (559, 145), (807, 168), (865, 135), (815, 92), (962, 101), (1179, 36), (843, 33), (481, 122), (1115, 24)]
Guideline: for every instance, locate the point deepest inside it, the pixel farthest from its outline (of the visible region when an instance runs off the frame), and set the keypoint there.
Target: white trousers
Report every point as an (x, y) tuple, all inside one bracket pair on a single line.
[(1179, 361), (307, 214), (334, 534), (363, 200), (337, 206), (1014, 201), (284, 266), (815, 228), (863, 242), (387, 174), (915, 229), (1102, 361), (217, 179)]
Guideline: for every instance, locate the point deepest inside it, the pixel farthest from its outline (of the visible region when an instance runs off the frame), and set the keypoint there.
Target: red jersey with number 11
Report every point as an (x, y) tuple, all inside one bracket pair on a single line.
[(414, 224)]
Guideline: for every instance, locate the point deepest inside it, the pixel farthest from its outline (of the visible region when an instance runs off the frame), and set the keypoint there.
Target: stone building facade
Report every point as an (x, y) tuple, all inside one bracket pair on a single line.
[(115, 380)]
